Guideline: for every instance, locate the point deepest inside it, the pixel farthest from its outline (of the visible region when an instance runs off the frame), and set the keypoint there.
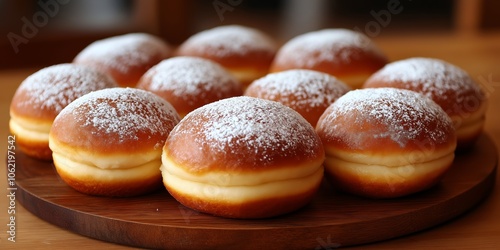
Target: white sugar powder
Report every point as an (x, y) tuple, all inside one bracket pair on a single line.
[(186, 77), (300, 88), (404, 114), (228, 40), (432, 77), (252, 123), (54, 87), (125, 51), (309, 49), (123, 112)]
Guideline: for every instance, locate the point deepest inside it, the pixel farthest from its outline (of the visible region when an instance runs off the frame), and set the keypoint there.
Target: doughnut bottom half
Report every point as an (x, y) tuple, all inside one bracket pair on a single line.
[(221, 195), (32, 137), (114, 182), (379, 180)]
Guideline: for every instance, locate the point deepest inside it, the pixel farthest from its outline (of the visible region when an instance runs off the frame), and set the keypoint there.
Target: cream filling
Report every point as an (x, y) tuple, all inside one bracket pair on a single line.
[(221, 178), (81, 170), (241, 193), (386, 174), (34, 131), (426, 154), (102, 161)]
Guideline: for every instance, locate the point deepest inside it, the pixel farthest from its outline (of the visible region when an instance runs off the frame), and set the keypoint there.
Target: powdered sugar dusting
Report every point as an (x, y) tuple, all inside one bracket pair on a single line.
[(300, 88), (265, 128), (54, 87), (229, 40), (309, 49), (124, 51), (124, 112), (434, 78), (188, 77), (403, 114)]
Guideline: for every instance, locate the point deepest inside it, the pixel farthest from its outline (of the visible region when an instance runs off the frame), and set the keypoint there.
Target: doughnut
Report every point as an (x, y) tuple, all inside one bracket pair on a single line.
[(125, 57), (243, 157), (245, 52), (306, 91), (386, 142), (348, 55), (40, 98), (190, 82), (448, 85), (109, 142)]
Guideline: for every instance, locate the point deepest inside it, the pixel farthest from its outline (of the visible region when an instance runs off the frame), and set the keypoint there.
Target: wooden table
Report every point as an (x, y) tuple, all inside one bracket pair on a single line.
[(477, 229)]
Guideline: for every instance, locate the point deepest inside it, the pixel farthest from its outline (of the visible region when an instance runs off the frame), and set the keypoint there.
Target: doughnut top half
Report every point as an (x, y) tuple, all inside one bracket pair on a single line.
[(243, 134), (45, 93), (233, 46), (448, 85), (386, 120), (115, 120), (339, 52)]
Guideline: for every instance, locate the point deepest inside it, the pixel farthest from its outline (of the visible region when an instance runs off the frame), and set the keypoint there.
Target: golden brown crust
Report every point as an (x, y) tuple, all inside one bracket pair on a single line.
[(243, 134), (237, 48), (190, 82), (33, 148), (263, 208), (33, 112), (362, 63), (446, 84), (125, 57), (386, 142), (311, 114), (355, 184), (306, 91), (116, 188), (255, 60), (377, 145), (43, 94), (384, 126), (109, 142), (243, 157), (345, 54), (128, 79), (115, 121), (41, 97), (454, 104)]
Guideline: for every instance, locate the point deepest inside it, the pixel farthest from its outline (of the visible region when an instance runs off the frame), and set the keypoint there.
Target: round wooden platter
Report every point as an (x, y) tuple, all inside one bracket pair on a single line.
[(332, 219)]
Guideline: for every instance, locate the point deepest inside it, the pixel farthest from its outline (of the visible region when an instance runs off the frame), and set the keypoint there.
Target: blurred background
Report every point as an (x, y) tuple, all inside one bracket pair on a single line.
[(36, 33)]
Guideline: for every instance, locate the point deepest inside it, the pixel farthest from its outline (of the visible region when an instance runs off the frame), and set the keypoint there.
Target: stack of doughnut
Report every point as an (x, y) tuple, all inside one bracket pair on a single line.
[(232, 125), (41, 97)]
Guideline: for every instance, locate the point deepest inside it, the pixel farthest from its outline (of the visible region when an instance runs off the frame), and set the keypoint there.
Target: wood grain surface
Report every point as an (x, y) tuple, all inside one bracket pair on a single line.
[(159, 221)]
